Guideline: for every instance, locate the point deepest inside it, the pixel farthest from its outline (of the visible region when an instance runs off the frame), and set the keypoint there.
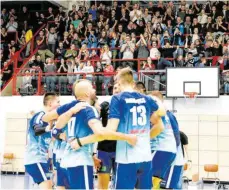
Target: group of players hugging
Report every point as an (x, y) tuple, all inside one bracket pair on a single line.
[(132, 141)]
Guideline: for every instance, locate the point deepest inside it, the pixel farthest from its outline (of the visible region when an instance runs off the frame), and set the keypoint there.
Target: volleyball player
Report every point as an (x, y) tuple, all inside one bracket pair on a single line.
[(131, 113), (38, 140), (79, 163), (163, 148), (104, 159)]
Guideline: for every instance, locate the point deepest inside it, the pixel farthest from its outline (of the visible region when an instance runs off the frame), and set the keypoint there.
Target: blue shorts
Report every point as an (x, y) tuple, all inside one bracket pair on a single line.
[(80, 177), (161, 161), (39, 172), (54, 161), (62, 176), (173, 178), (108, 161), (134, 175)]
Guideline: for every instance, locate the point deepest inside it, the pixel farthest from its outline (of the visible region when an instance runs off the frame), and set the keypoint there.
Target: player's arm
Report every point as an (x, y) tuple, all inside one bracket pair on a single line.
[(53, 115), (161, 111), (157, 124), (38, 127), (65, 117), (101, 134), (49, 116)]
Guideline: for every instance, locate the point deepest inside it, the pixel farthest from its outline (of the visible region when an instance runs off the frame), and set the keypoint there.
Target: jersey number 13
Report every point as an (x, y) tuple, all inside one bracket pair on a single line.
[(138, 115)]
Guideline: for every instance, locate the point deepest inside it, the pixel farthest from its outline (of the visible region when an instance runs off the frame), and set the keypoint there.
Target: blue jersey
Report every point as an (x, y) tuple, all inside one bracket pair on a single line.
[(175, 127), (179, 160), (78, 127), (133, 111), (37, 146), (165, 141), (60, 147)]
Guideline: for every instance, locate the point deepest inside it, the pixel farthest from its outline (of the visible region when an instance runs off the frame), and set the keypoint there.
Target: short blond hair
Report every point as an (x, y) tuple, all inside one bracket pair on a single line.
[(125, 76)]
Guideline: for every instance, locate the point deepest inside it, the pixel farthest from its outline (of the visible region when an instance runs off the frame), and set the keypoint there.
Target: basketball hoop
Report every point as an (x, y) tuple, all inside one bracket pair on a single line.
[(190, 97)]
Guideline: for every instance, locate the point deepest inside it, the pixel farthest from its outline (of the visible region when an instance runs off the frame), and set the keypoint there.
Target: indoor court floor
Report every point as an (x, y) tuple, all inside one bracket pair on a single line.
[(24, 182)]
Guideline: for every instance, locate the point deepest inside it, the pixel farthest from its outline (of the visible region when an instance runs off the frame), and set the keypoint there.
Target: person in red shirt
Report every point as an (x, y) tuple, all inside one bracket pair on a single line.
[(108, 73)]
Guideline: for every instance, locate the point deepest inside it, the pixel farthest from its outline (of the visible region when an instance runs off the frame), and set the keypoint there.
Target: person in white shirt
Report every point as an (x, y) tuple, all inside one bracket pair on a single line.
[(154, 51), (105, 55), (88, 68), (12, 25), (203, 17), (135, 14), (128, 51)]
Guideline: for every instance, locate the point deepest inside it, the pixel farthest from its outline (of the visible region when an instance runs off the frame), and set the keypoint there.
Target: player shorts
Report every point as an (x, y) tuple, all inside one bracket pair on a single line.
[(161, 161), (54, 161), (39, 172), (107, 161), (173, 178), (80, 177), (134, 175), (62, 176)]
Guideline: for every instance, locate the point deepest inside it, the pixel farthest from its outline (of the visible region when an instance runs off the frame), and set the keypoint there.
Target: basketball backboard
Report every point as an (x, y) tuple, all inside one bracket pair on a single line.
[(203, 81)]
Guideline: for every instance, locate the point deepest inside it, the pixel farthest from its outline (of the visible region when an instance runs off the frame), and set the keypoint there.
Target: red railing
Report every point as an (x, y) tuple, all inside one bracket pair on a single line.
[(16, 57)]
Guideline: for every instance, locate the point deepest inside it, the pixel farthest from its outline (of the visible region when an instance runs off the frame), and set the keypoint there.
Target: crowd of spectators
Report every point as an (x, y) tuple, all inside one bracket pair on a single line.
[(165, 34)]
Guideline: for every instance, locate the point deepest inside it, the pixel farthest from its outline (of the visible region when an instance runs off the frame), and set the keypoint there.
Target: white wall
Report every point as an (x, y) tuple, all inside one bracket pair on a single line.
[(219, 106)]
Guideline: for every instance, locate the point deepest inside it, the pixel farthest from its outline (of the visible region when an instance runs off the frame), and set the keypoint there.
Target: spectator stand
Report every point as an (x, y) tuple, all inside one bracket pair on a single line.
[(167, 32), (18, 61)]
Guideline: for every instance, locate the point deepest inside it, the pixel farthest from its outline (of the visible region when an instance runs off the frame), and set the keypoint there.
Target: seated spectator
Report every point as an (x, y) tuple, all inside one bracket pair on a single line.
[(52, 39), (76, 40), (142, 46), (178, 37), (94, 56), (60, 51), (79, 69), (168, 50), (88, 68), (179, 62), (154, 50), (202, 62), (76, 21), (63, 80), (162, 62), (135, 14), (128, 51), (7, 73), (50, 77), (71, 66), (12, 25), (28, 37), (148, 65), (203, 17), (105, 55), (83, 53), (103, 40), (98, 78), (114, 44), (71, 53), (31, 62), (3, 36), (66, 41), (26, 86), (92, 40), (108, 73), (189, 60), (43, 51), (38, 63)]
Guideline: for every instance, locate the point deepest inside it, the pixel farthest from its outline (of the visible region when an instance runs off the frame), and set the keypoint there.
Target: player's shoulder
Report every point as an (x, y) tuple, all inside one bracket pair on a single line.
[(38, 115), (37, 118), (90, 108)]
